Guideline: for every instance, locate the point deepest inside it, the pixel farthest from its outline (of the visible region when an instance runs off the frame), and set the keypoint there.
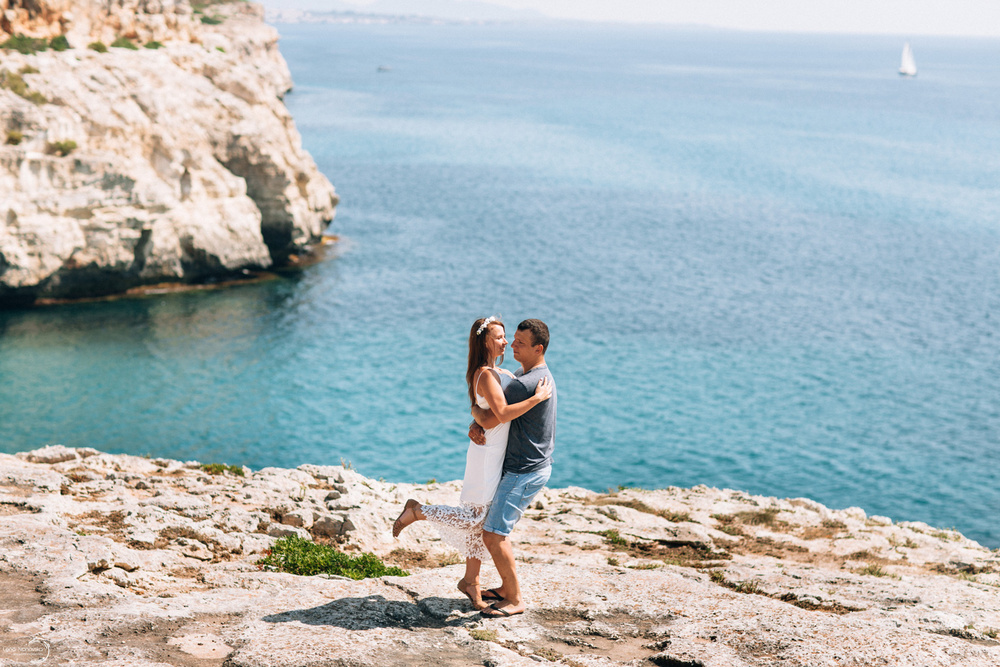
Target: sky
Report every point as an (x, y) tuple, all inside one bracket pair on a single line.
[(902, 17)]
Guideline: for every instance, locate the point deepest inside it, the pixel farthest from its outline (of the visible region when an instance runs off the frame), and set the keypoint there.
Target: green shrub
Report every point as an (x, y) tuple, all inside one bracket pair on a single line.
[(13, 82), (60, 148), (16, 84), (613, 538), (296, 555), (211, 20), (98, 46), (25, 45), (483, 634), (873, 570), (220, 468), (59, 43), (153, 45), (14, 138), (124, 43)]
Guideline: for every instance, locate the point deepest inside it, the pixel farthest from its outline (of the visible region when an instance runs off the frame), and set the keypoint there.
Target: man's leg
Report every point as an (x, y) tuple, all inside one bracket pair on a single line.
[(502, 552), (513, 495)]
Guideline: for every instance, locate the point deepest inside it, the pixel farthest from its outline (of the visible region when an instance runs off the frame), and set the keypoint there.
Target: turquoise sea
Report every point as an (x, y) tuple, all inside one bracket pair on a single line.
[(768, 263)]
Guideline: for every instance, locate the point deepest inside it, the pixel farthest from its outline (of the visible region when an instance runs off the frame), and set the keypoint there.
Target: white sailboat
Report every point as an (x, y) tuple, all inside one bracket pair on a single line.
[(907, 65)]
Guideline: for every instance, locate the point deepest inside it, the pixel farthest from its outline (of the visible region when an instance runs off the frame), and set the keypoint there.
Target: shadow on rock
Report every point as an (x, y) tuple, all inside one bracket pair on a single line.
[(375, 611)]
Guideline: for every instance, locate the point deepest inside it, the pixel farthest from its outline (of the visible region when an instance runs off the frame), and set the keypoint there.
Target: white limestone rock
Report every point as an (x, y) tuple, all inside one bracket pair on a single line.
[(795, 584), (187, 164)]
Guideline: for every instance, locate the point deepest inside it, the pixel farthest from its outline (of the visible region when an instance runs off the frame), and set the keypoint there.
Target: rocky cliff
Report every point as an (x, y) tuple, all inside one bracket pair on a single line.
[(167, 158), (125, 560)]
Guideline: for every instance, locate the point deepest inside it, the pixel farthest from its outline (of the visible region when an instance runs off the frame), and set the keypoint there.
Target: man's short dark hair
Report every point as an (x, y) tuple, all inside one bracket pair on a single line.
[(539, 332)]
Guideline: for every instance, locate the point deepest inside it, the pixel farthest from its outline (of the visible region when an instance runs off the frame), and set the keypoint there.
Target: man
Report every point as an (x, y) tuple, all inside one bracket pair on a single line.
[(527, 465)]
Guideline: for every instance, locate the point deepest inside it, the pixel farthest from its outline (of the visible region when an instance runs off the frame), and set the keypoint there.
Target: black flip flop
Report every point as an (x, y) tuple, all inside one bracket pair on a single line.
[(494, 594), (499, 612)]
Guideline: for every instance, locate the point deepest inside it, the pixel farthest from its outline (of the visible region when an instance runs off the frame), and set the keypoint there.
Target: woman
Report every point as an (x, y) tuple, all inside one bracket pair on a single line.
[(462, 526)]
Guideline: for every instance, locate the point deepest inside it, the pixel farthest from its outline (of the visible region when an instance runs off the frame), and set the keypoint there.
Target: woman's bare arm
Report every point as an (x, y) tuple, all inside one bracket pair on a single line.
[(503, 411), (484, 418)]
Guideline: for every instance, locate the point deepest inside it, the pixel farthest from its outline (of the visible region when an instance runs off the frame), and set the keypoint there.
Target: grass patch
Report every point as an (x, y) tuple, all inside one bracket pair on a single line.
[(221, 468), (963, 571), (613, 537), (296, 555), (28, 69), (730, 523), (681, 554), (14, 138), (59, 43), (765, 517), (873, 570), (211, 20), (483, 634), (676, 517), (946, 535), (828, 529), (751, 587), (15, 83), (124, 43), (100, 47), (24, 44), (645, 566), (614, 562), (153, 45)]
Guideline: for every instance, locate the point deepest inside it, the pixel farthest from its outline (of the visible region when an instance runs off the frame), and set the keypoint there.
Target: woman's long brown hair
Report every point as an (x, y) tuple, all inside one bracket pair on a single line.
[(479, 355)]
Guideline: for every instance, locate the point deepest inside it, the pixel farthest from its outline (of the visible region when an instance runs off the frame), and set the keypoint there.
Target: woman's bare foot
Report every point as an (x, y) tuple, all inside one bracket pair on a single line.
[(406, 517), (471, 591)]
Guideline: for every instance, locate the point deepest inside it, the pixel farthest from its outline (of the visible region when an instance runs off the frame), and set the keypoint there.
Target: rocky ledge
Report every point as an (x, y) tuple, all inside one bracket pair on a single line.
[(129, 560), (154, 147)]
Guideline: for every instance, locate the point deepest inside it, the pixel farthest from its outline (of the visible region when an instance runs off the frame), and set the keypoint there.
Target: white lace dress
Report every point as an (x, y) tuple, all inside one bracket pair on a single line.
[(462, 526)]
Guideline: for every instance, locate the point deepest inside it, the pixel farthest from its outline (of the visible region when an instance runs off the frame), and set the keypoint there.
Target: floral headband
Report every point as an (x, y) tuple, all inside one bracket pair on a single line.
[(487, 322)]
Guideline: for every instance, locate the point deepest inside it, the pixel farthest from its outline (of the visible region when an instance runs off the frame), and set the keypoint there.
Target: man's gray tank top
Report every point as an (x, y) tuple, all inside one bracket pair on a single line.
[(532, 436)]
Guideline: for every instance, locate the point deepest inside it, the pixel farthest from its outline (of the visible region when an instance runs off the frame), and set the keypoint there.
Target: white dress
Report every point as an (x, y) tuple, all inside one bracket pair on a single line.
[(462, 526)]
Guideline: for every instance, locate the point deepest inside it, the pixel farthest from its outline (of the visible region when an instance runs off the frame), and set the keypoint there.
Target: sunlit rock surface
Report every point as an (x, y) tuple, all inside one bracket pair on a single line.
[(129, 560), (187, 166)]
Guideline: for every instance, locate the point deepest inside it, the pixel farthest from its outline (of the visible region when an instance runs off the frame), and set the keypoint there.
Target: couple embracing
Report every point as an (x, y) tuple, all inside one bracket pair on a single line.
[(508, 462)]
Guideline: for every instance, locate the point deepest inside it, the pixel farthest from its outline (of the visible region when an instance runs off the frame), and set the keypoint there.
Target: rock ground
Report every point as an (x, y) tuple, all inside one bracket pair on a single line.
[(125, 560)]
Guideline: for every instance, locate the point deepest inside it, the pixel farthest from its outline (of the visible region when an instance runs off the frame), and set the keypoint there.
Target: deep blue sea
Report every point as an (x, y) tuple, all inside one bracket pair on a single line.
[(768, 263)]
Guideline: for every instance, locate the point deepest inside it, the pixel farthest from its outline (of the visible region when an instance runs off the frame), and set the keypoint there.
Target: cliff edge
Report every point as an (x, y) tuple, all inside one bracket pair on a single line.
[(146, 141), (127, 560)]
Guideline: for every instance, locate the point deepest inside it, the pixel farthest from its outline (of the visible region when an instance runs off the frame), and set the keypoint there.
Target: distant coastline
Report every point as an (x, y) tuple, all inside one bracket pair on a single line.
[(372, 18)]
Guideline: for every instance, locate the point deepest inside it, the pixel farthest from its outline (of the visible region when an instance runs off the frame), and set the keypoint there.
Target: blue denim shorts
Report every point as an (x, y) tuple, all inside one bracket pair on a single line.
[(514, 494)]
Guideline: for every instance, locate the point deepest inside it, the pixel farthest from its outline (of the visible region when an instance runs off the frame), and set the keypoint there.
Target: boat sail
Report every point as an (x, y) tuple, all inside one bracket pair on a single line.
[(907, 65)]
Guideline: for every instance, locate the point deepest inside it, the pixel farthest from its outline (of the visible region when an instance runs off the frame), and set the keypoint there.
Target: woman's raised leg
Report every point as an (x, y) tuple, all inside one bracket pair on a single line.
[(411, 512)]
